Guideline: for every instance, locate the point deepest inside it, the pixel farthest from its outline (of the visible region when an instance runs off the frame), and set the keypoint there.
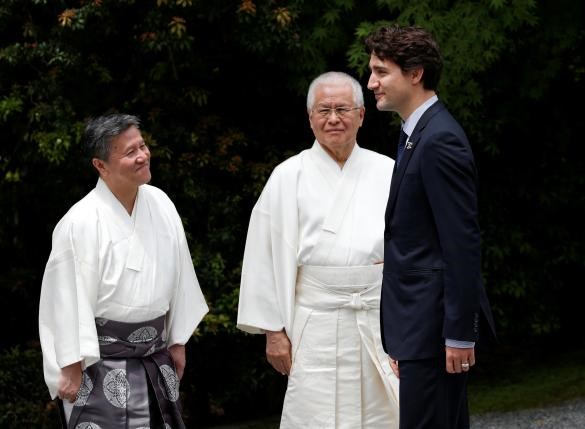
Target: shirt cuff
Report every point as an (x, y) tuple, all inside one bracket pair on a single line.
[(459, 344)]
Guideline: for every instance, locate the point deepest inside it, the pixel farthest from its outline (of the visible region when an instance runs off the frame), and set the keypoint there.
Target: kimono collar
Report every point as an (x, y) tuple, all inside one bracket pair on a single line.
[(323, 156), (112, 204)]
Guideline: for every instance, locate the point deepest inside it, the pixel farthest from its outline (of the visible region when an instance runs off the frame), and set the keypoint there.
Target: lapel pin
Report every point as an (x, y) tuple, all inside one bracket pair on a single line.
[(408, 145)]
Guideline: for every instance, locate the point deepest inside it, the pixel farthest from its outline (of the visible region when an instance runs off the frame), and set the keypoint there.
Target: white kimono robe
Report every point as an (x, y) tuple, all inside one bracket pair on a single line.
[(106, 263), (312, 212)]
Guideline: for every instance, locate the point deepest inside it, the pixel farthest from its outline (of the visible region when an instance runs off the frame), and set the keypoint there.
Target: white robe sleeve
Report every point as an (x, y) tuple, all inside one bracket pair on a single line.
[(67, 305), (187, 306), (258, 308), (270, 258)]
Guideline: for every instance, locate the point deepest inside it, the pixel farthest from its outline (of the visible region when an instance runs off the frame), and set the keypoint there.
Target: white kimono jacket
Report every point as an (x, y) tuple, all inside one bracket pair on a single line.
[(106, 263), (312, 213), (289, 219)]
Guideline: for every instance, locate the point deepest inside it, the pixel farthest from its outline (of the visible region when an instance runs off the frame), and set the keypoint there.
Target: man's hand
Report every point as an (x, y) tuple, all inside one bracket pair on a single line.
[(278, 351), (69, 382), (394, 366), (177, 352), (459, 360)]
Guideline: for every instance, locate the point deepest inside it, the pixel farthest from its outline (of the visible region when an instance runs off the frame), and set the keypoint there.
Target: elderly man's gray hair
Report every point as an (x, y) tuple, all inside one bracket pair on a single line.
[(100, 131), (335, 78)]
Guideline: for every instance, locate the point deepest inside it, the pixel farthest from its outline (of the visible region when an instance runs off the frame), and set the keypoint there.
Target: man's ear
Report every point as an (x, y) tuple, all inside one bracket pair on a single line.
[(416, 75), (310, 116), (100, 166)]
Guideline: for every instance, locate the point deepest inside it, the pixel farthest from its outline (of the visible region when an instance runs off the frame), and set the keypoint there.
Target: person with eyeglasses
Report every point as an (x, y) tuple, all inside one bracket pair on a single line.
[(312, 271)]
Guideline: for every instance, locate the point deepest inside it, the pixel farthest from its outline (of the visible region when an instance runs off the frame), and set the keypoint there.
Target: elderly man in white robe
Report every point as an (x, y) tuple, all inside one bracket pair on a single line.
[(119, 297), (312, 271)]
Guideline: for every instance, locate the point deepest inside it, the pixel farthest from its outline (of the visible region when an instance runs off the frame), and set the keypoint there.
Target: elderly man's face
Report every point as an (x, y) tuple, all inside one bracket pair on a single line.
[(334, 132)]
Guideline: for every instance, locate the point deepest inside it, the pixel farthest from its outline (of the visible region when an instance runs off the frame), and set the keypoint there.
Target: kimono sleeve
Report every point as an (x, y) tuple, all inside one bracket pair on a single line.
[(258, 307), (67, 304), (187, 306)]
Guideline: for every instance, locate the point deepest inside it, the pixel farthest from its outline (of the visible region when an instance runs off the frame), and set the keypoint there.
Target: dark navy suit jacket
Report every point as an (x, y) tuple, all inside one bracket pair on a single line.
[(432, 287)]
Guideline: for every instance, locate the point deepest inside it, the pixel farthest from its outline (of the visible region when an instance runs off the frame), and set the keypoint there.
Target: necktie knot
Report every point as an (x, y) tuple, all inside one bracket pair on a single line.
[(401, 144)]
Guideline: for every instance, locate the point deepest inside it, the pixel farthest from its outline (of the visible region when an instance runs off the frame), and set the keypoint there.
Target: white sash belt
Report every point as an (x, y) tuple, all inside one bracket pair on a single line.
[(328, 288)]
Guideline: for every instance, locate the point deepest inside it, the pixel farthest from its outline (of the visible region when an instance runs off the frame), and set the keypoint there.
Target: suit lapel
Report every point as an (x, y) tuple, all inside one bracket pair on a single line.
[(411, 144)]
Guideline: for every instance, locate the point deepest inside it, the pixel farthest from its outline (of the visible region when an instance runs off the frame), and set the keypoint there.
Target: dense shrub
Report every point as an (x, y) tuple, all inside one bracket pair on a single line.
[(220, 89)]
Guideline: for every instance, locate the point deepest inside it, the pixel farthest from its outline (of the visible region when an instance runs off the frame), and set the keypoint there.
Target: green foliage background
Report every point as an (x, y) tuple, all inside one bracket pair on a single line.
[(220, 88)]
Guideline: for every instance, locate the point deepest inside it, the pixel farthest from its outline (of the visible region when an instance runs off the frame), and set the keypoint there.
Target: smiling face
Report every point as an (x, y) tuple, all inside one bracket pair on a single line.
[(336, 134), (128, 165), (394, 89)]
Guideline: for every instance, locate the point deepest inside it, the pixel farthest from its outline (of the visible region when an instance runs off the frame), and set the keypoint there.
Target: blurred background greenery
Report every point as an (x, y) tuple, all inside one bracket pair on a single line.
[(220, 88)]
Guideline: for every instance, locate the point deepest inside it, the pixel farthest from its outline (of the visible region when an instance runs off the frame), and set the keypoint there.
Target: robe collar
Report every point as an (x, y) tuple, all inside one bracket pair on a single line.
[(332, 171), (116, 208), (125, 225)]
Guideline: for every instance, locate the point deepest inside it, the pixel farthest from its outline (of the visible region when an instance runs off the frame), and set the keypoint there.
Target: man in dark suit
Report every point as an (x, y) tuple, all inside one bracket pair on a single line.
[(432, 294)]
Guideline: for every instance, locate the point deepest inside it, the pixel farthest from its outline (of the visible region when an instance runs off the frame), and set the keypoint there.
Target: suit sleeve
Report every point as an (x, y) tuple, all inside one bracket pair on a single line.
[(449, 177)]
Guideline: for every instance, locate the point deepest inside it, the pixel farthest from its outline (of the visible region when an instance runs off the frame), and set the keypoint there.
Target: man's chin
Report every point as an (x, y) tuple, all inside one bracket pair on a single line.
[(146, 179), (383, 107)]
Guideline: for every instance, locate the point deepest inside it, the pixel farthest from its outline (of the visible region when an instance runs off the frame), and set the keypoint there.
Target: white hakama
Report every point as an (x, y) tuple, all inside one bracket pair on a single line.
[(336, 348), (312, 222)]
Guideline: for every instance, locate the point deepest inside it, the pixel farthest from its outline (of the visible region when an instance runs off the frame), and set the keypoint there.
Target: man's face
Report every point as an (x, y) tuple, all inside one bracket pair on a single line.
[(334, 132), (392, 88), (129, 163)]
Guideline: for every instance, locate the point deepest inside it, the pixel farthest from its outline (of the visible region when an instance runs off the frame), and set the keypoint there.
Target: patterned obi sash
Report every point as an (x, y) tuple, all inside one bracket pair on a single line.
[(134, 385)]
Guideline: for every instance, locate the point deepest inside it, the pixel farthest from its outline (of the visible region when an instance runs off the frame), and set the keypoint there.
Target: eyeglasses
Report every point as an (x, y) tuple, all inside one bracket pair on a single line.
[(341, 112)]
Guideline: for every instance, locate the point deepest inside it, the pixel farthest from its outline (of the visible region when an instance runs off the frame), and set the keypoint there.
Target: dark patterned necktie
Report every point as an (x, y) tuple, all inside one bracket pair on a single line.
[(401, 144)]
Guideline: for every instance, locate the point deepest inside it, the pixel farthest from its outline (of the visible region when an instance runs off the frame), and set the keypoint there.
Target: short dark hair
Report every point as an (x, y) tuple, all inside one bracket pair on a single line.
[(410, 48), (100, 131)]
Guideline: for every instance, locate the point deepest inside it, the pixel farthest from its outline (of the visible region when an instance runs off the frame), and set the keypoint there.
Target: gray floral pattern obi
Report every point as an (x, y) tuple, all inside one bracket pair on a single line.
[(134, 385)]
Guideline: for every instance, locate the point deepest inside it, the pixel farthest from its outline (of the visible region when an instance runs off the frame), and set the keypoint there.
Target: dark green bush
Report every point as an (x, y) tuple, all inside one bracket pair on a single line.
[(220, 88), (24, 398)]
